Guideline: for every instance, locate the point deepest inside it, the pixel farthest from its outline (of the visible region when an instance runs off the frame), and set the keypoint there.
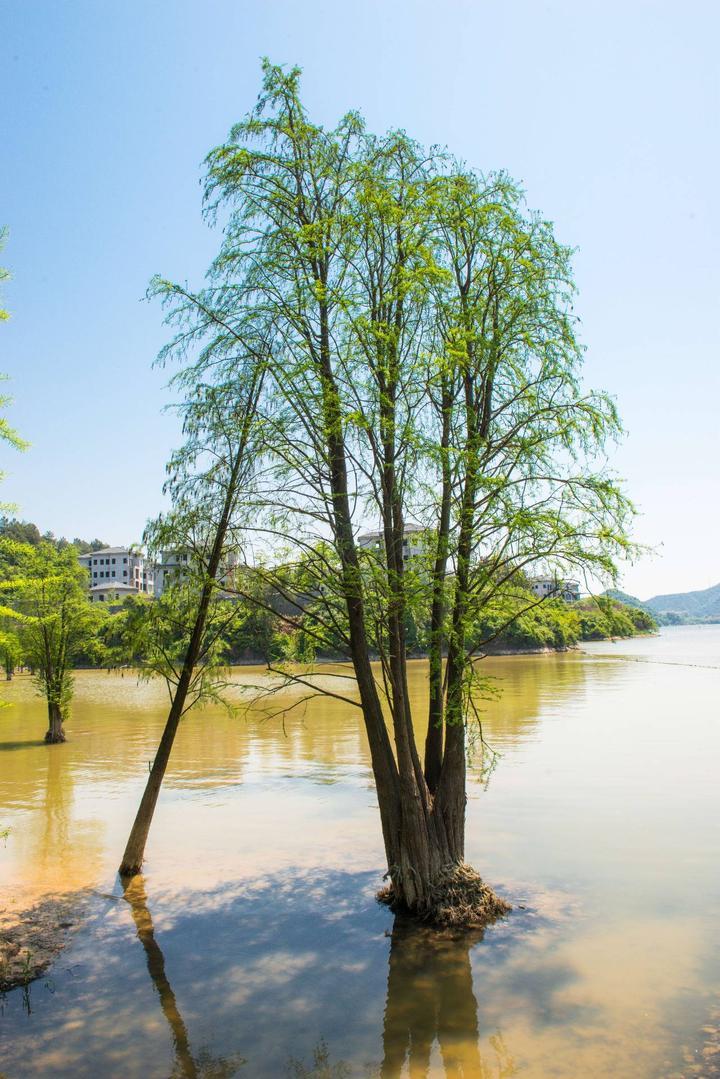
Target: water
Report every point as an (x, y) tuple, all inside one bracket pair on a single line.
[(254, 946)]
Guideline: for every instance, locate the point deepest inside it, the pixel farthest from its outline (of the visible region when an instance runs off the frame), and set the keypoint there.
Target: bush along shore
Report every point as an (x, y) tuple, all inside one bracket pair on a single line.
[(512, 624)]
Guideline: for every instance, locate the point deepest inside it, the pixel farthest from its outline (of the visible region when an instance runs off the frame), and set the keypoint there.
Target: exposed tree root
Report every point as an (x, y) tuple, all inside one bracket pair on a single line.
[(458, 899)]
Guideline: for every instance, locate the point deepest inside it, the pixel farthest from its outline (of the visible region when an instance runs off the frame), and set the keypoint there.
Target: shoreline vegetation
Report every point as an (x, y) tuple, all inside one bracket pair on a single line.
[(516, 624)]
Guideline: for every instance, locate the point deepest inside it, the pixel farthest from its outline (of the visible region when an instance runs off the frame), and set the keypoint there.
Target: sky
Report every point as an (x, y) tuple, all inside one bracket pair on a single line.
[(606, 112)]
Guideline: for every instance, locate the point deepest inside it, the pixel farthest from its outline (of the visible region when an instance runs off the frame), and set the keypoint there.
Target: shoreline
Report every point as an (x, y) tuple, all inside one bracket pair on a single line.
[(32, 939)]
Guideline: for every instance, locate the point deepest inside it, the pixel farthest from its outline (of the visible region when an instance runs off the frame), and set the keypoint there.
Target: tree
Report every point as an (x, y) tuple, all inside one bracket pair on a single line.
[(421, 366), (45, 594), (11, 654), (184, 638)]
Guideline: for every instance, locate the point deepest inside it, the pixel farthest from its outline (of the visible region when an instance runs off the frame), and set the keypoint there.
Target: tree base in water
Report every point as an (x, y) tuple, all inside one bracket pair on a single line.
[(54, 737), (458, 899)]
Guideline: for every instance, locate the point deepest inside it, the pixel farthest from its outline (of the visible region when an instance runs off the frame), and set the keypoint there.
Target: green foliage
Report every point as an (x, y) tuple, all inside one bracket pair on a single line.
[(7, 433), (11, 650), (28, 532), (43, 592), (454, 359), (152, 635), (4, 275), (515, 619), (603, 616)]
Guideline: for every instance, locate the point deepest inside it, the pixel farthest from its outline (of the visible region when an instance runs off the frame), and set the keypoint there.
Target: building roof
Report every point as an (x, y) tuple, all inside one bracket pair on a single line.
[(407, 530), (113, 585), (547, 577), (112, 550)]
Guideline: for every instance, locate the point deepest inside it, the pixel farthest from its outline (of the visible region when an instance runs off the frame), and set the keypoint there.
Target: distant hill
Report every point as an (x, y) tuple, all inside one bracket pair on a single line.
[(677, 607), (704, 605), (624, 597)]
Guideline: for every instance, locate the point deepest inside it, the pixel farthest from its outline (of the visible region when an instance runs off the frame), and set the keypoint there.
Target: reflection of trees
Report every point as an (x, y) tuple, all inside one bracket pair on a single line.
[(430, 998), (187, 1065)]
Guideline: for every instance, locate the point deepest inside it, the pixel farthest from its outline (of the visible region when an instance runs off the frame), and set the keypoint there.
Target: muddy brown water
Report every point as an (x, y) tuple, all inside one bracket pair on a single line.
[(253, 945)]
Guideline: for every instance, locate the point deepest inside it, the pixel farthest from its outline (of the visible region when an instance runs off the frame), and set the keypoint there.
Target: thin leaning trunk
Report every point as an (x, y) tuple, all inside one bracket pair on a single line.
[(135, 849)]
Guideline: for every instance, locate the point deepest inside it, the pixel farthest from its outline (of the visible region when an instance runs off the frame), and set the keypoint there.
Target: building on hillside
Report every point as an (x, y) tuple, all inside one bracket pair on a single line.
[(111, 592), (555, 587), (412, 541), (175, 565), (123, 571)]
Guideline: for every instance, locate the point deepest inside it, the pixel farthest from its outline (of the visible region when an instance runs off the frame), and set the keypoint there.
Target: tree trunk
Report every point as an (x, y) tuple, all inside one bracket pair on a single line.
[(55, 732), (135, 849)]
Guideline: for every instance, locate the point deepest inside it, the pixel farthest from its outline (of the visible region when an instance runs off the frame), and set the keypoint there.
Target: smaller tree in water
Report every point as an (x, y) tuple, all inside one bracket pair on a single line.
[(45, 595)]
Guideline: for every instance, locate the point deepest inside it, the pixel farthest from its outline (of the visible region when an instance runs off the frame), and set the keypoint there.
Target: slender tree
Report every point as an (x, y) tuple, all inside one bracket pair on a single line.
[(45, 595), (206, 482), (10, 651)]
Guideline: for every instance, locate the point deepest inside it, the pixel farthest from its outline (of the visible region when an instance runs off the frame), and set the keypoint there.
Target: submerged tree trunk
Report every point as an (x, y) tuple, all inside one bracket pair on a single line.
[(55, 732), (135, 849)]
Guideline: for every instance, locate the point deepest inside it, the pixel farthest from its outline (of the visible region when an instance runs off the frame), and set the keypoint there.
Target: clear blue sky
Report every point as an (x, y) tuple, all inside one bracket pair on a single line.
[(607, 112)]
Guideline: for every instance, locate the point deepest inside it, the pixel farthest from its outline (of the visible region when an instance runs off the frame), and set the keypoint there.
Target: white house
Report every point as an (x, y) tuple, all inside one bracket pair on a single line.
[(174, 566), (412, 541), (545, 587), (117, 572)]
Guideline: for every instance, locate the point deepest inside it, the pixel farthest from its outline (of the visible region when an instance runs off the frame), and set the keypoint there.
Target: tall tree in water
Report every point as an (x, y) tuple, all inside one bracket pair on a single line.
[(423, 372), (44, 593)]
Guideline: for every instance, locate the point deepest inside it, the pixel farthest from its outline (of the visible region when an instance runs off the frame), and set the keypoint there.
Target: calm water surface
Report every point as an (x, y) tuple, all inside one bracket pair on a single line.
[(254, 947)]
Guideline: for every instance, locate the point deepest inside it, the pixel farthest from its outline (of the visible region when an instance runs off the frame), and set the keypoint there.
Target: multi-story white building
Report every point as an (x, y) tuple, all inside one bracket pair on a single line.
[(412, 541), (547, 587), (175, 565), (116, 572)]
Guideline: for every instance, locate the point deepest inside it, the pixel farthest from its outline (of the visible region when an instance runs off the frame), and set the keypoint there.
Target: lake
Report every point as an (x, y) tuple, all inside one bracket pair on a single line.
[(254, 946)]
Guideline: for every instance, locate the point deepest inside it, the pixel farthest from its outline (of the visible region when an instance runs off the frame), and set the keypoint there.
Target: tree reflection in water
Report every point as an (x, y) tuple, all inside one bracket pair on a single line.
[(187, 1065), (430, 999)]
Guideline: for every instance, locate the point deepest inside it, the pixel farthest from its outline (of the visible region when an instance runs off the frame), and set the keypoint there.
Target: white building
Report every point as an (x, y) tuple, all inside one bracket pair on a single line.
[(412, 541), (116, 572), (171, 567), (547, 587), (174, 566)]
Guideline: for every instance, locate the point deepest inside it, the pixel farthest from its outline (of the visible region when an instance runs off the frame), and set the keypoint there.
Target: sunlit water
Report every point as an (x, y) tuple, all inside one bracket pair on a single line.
[(255, 943)]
